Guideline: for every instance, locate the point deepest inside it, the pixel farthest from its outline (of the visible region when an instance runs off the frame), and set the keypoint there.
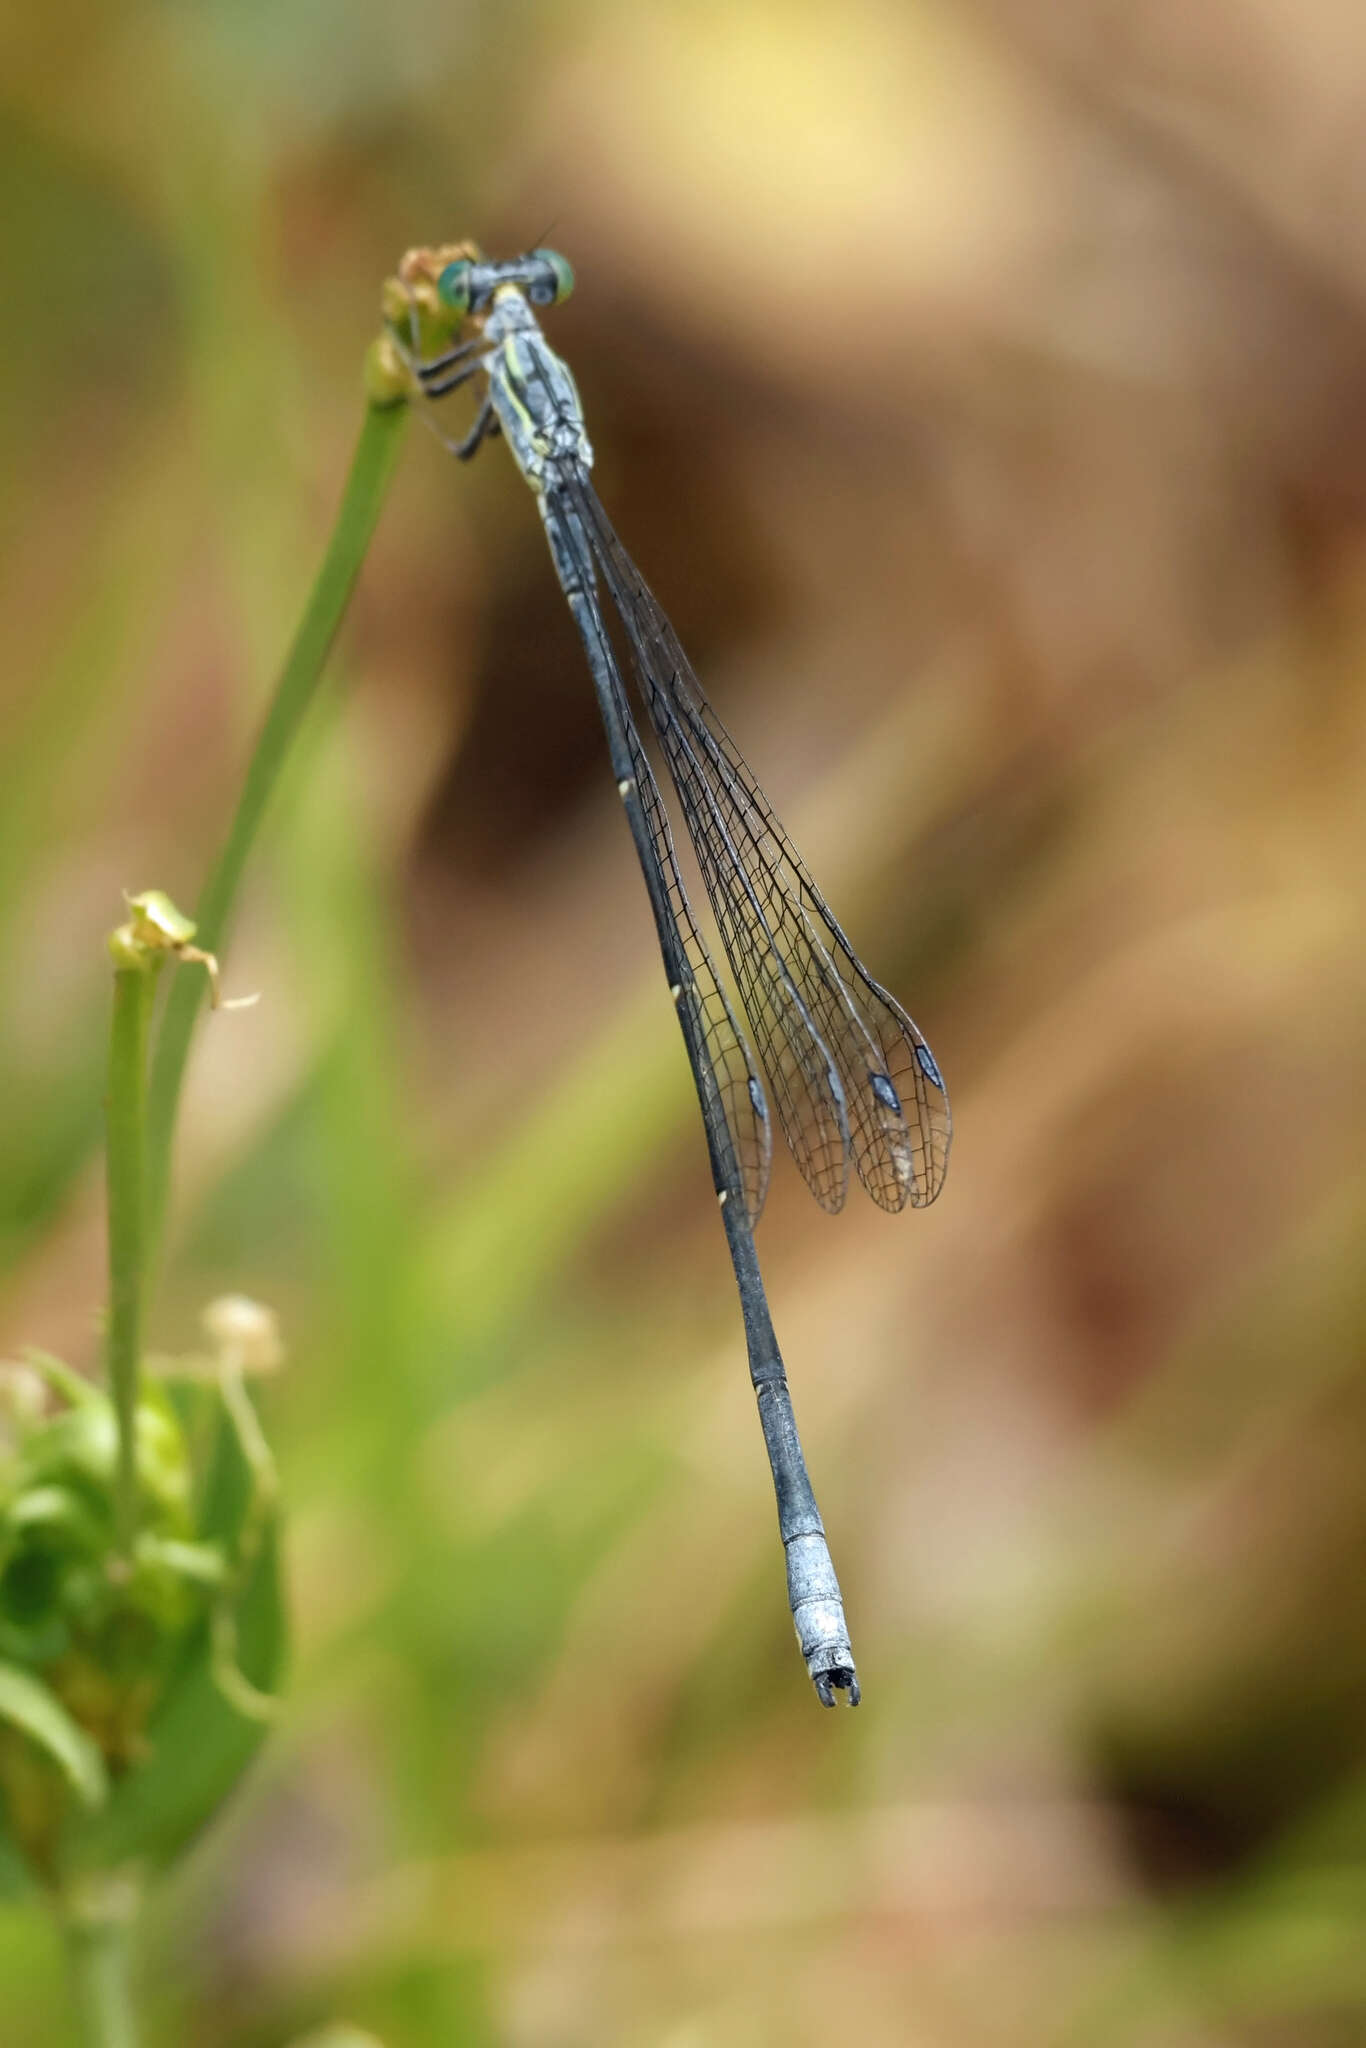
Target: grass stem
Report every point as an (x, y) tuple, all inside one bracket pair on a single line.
[(371, 468), (126, 1180), (98, 1945)]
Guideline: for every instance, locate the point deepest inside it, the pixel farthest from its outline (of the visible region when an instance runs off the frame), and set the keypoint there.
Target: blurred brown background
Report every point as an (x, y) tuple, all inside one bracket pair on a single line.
[(983, 389)]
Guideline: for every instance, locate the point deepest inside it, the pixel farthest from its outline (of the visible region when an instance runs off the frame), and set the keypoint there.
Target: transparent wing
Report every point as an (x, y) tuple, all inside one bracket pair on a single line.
[(799, 976), (734, 1105), (801, 1068)]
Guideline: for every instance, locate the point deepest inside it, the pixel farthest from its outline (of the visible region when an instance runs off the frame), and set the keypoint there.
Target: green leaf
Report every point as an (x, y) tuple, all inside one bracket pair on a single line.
[(15, 1880), (26, 1703), (199, 1745), (201, 1563), (55, 1509)]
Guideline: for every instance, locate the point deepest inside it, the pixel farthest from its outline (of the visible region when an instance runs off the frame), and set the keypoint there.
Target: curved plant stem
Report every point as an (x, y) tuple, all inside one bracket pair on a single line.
[(371, 468), (126, 1178), (98, 1940)]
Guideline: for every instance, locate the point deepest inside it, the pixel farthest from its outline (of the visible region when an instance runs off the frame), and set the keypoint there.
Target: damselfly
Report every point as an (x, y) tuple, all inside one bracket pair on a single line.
[(851, 1076)]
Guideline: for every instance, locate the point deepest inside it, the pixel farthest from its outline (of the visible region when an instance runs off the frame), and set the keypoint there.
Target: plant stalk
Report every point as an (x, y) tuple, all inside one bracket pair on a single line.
[(126, 1180), (99, 1946), (371, 468)]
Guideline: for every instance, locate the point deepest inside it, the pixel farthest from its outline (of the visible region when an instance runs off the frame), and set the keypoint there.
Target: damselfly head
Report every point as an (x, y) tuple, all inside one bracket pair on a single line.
[(468, 286)]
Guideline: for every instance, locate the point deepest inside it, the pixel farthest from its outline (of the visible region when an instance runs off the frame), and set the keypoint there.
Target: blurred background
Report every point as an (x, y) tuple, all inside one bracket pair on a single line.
[(983, 390)]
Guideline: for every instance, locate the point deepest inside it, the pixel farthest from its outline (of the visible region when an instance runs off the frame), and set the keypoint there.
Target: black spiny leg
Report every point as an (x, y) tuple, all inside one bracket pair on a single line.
[(442, 385), (485, 423), (459, 354), (436, 385)]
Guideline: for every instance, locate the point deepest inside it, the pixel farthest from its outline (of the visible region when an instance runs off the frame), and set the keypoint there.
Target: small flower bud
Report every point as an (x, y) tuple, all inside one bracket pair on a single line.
[(244, 1333), (157, 923), (23, 1395), (388, 380)]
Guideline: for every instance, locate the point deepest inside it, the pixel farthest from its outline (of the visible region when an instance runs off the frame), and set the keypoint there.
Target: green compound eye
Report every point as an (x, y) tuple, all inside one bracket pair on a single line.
[(564, 276), (453, 286)]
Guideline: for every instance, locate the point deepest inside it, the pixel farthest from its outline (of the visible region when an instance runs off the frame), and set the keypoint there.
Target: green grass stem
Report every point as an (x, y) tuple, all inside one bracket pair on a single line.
[(98, 1944), (126, 1180), (371, 469)]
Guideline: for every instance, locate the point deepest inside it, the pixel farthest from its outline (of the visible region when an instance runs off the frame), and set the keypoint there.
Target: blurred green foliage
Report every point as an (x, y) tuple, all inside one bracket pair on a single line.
[(984, 396), (118, 1674)]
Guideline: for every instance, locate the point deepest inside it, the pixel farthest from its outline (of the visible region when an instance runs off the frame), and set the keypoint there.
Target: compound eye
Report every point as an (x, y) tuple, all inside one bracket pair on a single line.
[(453, 286), (560, 270)]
